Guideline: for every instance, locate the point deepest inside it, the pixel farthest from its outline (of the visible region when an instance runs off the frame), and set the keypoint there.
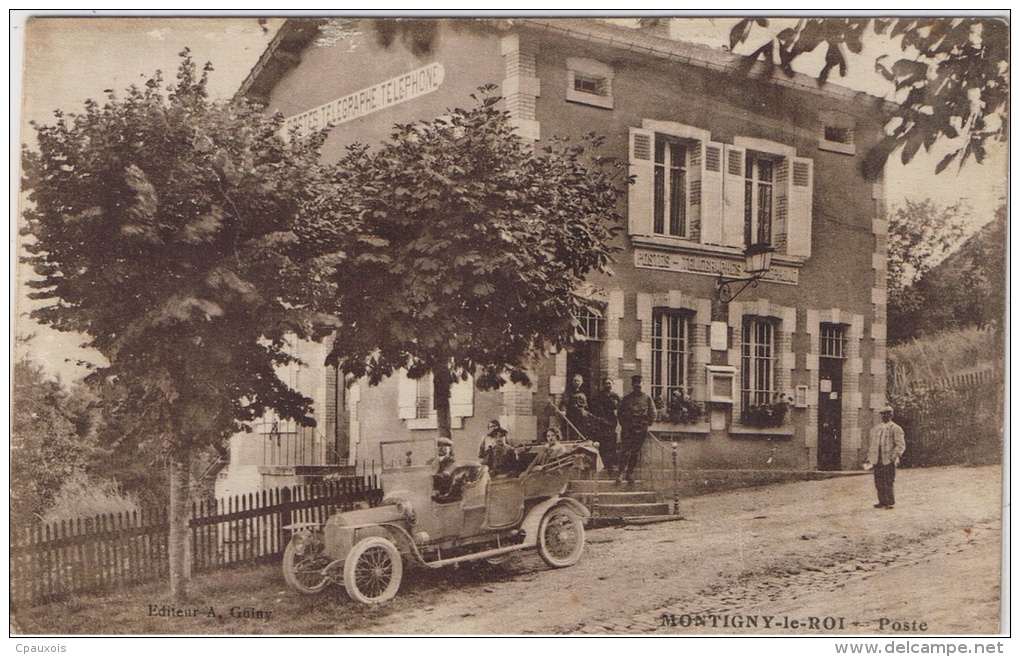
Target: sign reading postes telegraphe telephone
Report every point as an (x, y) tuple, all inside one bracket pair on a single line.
[(371, 99), (711, 265)]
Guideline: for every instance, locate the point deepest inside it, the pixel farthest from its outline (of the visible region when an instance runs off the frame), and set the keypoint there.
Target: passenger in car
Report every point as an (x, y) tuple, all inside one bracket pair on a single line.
[(451, 477), (489, 439), (551, 447), (501, 458)]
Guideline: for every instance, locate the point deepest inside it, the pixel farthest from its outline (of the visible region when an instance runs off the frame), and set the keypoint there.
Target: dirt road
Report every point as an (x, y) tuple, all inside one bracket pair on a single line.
[(802, 558)]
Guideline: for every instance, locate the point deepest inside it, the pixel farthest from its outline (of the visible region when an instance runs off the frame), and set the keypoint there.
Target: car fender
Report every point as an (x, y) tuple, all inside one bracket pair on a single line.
[(534, 517)]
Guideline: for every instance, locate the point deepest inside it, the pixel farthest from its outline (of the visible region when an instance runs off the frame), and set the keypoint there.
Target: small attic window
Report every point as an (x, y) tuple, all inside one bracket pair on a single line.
[(589, 82), (837, 134), (589, 85)]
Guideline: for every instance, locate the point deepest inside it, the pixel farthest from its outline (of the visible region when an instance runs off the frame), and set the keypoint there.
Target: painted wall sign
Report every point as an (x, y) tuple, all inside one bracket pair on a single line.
[(708, 264), (392, 92)]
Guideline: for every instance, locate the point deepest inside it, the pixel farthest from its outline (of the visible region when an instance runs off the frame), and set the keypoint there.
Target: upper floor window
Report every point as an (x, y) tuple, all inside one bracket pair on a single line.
[(416, 401), (589, 82), (837, 133), (758, 362), (671, 195), (690, 190), (670, 352), (759, 198)]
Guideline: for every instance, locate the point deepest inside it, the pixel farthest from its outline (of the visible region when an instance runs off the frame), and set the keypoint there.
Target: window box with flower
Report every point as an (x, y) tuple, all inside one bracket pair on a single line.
[(679, 408), (769, 414)]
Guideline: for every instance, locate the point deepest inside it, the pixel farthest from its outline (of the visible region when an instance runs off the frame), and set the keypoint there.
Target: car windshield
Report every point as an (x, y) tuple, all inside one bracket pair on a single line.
[(402, 454)]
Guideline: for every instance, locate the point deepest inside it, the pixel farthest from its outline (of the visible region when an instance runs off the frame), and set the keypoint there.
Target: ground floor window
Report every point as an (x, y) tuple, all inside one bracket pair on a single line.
[(758, 361), (670, 353)]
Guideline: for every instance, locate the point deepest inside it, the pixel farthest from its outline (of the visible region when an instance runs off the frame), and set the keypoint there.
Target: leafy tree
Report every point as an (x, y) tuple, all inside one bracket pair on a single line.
[(968, 288), (921, 233), (168, 230), (952, 81), (471, 253), (50, 442)]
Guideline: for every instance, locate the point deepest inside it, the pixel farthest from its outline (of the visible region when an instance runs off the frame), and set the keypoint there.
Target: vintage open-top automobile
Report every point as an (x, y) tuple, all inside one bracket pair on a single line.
[(480, 516)]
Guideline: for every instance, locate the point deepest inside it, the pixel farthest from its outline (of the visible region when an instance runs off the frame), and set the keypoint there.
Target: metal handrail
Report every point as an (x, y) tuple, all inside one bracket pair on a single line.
[(672, 450), (595, 470)]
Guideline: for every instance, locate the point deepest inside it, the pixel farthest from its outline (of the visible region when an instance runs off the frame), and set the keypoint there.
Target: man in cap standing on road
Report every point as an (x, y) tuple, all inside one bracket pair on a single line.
[(887, 445)]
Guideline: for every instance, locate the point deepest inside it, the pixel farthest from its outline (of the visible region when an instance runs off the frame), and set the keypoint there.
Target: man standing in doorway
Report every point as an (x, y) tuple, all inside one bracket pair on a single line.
[(574, 407), (637, 411), (887, 445), (605, 405)]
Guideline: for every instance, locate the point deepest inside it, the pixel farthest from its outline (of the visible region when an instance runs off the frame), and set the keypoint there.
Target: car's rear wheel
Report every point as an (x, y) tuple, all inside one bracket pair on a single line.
[(373, 570), (561, 537), (305, 572)]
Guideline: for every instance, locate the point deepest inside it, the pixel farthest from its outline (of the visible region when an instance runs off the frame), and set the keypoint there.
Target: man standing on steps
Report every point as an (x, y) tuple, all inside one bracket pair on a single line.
[(637, 411), (605, 406), (887, 445)]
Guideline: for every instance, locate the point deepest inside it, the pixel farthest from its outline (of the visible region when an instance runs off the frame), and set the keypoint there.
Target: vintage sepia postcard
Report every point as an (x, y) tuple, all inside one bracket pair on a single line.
[(537, 324)]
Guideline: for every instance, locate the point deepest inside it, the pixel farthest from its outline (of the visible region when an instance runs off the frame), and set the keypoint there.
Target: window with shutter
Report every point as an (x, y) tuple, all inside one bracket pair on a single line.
[(759, 198), (799, 221), (416, 402), (776, 195), (667, 163), (733, 198), (641, 191)]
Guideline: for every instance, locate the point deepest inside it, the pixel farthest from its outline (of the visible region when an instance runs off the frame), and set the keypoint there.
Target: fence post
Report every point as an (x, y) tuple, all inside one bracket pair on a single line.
[(676, 484), (285, 514)]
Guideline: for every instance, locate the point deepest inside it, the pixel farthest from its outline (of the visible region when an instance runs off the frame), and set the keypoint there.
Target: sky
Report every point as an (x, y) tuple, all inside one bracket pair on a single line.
[(69, 60)]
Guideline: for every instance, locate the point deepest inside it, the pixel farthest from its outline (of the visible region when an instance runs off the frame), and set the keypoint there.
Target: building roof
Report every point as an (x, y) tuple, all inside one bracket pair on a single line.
[(284, 52)]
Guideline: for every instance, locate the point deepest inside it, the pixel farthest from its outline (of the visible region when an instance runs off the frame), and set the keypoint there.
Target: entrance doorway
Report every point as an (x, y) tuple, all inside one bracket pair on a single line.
[(830, 397), (584, 359)]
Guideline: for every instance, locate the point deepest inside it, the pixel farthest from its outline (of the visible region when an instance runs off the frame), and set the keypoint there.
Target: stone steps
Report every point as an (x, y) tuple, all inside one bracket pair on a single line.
[(612, 500)]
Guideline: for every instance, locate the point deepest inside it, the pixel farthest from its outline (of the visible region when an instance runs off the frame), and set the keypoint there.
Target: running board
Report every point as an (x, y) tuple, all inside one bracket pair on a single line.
[(475, 556)]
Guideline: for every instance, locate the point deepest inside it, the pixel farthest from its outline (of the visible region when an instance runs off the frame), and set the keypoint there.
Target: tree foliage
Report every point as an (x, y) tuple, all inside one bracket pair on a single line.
[(952, 82), (921, 233), (167, 229), (967, 288), (471, 253), (50, 442)]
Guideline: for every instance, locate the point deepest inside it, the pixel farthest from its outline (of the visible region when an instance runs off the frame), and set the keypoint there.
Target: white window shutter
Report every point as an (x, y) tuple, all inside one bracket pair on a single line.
[(733, 197), (407, 396), (798, 237), (712, 194), (781, 214), (462, 398), (640, 203), (695, 169)]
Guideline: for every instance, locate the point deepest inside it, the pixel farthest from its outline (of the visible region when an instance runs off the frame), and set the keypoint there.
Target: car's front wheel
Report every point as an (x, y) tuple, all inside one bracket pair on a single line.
[(561, 537), (304, 566), (373, 570)]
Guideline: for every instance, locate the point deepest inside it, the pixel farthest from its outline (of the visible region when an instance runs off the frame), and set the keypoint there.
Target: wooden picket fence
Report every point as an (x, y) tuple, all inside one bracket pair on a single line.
[(52, 561), (954, 419)]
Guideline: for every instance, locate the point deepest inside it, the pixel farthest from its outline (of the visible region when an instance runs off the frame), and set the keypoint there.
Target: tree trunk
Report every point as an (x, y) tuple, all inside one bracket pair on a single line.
[(179, 543), (441, 383)]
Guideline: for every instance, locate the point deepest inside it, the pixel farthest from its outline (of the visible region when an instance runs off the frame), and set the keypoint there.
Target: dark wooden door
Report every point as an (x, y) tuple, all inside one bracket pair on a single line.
[(830, 412)]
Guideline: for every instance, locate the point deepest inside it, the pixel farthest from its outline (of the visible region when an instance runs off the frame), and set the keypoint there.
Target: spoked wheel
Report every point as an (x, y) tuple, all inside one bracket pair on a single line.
[(305, 572), (373, 570), (561, 537)]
